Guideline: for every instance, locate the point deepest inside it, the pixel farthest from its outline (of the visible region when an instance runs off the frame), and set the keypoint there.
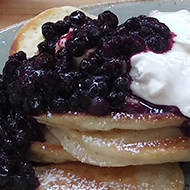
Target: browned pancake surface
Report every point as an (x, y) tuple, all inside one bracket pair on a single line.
[(75, 176), (48, 153), (112, 148), (125, 147), (86, 122)]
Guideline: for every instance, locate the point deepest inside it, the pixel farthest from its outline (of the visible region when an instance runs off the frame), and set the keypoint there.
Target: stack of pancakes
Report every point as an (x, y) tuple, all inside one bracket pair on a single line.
[(119, 151)]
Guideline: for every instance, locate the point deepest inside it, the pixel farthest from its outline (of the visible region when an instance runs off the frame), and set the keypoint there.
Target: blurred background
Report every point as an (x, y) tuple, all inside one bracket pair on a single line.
[(13, 11)]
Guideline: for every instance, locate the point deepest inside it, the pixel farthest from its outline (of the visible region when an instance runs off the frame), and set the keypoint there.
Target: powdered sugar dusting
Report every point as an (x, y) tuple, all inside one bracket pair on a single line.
[(57, 179), (81, 176)]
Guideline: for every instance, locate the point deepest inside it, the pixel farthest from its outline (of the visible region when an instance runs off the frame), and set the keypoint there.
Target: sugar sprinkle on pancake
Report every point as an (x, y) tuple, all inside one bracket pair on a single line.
[(74, 176), (85, 122), (124, 147)]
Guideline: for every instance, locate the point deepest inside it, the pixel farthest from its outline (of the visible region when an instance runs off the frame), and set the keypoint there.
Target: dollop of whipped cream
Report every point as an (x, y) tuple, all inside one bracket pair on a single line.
[(165, 78)]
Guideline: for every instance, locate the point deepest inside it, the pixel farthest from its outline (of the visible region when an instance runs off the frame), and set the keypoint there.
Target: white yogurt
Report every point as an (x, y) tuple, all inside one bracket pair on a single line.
[(165, 78)]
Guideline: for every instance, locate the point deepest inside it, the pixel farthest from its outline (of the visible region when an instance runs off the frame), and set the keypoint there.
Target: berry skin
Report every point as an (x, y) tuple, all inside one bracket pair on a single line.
[(91, 35), (109, 18), (87, 66), (59, 105), (77, 17), (61, 27), (76, 47), (99, 107), (122, 84), (132, 24), (21, 56), (48, 31)]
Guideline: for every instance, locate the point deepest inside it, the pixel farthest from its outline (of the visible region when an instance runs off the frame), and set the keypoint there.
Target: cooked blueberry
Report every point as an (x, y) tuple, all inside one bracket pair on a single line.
[(99, 107), (4, 176), (59, 104), (91, 35), (44, 60), (77, 17), (49, 82), (43, 46), (61, 27), (133, 45), (63, 61), (75, 46), (122, 83), (106, 29), (116, 66), (48, 31), (162, 30), (157, 43), (87, 66), (84, 99), (98, 89), (33, 105), (67, 82), (11, 70), (116, 99), (122, 30), (74, 101), (109, 18), (14, 93), (26, 84), (145, 31), (20, 55), (106, 49), (3, 97), (133, 24), (48, 46)]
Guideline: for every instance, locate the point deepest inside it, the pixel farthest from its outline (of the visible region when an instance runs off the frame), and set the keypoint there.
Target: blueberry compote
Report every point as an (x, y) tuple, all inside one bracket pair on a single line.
[(17, 131), (100, 83)]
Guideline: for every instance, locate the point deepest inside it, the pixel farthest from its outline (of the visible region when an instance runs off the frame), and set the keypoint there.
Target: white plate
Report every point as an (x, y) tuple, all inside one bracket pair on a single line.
[(123, 10)]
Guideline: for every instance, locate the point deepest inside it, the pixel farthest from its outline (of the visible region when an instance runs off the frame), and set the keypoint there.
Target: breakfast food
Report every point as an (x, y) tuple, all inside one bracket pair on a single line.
[(77, 85), (80, 89)]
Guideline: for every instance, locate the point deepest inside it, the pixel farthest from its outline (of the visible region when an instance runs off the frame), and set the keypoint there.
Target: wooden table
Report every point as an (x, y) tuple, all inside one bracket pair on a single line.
[(13, 11)]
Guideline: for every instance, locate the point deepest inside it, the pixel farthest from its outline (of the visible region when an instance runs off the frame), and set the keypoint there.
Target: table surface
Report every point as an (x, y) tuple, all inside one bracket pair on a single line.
[(13, 11)]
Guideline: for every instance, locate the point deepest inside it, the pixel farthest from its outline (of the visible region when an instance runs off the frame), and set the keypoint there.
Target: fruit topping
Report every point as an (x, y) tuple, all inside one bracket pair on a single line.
[(99, 83), (17, 131), (53, 80)]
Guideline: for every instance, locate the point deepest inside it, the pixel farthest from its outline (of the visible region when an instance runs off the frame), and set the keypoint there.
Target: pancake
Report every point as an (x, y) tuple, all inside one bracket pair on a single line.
[(86, 122), (30, 35), (47, 153), (124, 147), (74, 176), (112, 148)]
